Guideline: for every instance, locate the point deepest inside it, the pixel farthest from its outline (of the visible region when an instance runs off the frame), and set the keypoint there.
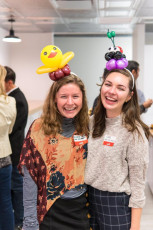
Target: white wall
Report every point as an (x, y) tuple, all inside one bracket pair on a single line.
[(143, 53), (149, 38), (148, 82), (89, 62), (4, 49), (138, 51), (25, 59)]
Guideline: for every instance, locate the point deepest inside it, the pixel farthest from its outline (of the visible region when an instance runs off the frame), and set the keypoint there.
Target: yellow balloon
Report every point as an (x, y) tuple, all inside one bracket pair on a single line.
[(53, 59), (51, 56)]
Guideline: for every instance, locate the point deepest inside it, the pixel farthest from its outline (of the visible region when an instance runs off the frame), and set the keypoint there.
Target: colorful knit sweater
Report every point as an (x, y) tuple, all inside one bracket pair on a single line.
[(56, 164)]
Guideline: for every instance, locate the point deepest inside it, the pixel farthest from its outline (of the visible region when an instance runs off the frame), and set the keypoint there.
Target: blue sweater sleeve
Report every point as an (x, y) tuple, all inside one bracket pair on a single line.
[(30, 202)]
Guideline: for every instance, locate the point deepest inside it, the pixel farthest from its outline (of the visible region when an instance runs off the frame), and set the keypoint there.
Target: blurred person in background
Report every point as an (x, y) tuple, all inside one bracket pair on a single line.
[(7, 119), (16, 140), (144, 104)]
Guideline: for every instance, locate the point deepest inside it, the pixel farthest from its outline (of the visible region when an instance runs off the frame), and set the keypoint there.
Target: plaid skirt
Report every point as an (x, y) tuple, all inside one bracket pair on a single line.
[(67, 214), (109, 210)]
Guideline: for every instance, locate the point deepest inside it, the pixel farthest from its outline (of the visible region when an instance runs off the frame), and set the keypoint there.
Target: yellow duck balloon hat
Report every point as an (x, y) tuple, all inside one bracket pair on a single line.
[(55, 63)]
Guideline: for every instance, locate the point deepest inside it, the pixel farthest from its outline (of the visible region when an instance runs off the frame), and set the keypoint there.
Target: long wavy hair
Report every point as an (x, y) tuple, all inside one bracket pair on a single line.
[(130, 110), (2, 79), (51, 117)]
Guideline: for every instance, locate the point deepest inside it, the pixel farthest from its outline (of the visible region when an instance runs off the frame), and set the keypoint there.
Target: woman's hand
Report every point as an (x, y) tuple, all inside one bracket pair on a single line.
[(135, 218)]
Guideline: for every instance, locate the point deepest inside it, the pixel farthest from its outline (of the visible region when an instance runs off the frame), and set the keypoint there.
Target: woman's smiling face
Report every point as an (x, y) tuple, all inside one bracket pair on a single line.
[(114, 93), (69, 100)]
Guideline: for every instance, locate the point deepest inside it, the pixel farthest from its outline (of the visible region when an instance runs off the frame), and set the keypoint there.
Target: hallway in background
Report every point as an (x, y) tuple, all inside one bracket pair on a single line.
[(147, 214)]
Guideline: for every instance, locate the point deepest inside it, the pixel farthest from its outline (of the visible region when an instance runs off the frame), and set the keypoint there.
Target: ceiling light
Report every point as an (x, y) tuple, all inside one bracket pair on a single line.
[(11, 37), (117, 13), (118, 3)]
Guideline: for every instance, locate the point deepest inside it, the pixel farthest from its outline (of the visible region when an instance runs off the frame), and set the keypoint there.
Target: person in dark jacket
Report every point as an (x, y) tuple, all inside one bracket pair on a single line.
[(16, 140)]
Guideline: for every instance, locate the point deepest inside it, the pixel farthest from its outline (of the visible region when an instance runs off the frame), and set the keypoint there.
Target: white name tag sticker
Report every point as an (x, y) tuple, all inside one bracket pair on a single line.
[(80, 140), (109, 140)]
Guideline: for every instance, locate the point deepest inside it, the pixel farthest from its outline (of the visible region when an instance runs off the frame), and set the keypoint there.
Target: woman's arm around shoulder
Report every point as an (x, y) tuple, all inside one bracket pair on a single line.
[(30, 202)]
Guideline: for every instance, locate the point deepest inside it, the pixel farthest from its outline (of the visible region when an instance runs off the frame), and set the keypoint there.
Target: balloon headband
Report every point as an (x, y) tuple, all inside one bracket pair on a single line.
[(131, 76), (55, 63), (115, 57)]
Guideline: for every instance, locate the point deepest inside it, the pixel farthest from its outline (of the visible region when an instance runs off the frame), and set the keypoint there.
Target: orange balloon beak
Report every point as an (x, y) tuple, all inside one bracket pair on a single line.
[(52, 54)]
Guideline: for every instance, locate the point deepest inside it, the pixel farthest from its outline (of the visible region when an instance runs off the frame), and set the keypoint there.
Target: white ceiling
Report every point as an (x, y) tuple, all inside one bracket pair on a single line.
[(84, 16)]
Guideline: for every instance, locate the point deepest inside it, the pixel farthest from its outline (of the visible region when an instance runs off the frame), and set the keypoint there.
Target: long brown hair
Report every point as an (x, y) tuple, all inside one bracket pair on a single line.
[(52, 119), (130, 110)]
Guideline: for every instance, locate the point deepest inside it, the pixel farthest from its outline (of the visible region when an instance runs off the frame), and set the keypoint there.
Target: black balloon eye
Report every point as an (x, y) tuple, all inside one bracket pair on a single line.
[(54, 48), (109, 48), (45, 53), (115, 48)]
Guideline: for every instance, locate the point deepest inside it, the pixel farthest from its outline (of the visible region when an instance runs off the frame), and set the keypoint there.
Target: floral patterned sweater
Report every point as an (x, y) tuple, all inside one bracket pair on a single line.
[(56, 164)]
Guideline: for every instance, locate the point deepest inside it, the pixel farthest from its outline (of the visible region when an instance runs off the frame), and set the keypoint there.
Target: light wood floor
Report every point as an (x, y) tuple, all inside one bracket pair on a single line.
[(147, 214)]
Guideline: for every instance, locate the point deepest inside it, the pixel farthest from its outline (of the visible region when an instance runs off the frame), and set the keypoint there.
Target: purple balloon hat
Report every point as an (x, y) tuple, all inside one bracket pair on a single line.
[(115, 57)]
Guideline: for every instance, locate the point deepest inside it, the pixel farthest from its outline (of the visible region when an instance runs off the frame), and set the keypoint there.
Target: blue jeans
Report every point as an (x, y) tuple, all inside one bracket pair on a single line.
[(17, 196), (6, 210)]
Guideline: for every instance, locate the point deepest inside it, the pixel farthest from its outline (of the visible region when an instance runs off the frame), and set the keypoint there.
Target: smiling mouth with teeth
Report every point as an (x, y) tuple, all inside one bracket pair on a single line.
[(111, 99), (71, 109)]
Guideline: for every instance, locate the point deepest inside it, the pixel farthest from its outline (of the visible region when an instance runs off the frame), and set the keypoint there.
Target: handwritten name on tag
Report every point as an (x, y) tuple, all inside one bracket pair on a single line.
[(80, 140), (109, 140)]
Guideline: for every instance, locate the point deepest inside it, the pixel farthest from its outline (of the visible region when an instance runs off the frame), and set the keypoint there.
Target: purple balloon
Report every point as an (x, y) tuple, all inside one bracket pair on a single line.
[(111, 64), (125, 61), (120, 64)]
